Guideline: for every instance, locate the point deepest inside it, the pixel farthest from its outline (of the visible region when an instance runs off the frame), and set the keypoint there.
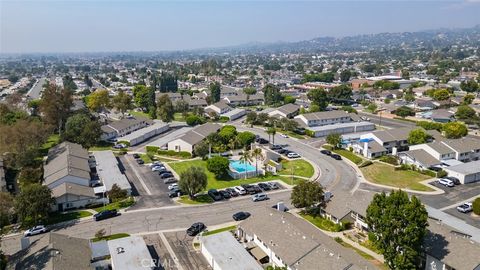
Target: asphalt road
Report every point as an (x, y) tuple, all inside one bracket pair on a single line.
[(36, 89), (382, 121)]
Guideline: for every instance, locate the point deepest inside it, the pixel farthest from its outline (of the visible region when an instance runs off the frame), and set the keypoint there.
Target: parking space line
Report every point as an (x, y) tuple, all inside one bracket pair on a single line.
[(132, 166), (170, 251), (458, 203)]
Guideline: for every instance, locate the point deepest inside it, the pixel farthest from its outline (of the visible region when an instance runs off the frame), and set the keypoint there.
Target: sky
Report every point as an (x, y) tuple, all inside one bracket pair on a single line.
[(107, 25)]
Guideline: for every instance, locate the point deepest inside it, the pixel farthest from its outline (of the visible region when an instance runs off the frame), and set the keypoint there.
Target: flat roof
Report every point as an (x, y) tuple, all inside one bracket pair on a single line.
[(341, 125), (141, 132), (129, 253), (233, 112), (228, 253), (108, 170), (466, 168)]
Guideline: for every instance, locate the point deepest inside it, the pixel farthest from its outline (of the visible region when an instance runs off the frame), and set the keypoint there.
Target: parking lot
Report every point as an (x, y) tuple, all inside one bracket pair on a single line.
[(453, 195)]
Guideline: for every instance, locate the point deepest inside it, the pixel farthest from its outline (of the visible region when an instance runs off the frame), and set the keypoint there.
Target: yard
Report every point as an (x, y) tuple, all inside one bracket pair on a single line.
[(323, 223), (116, 205), (300, 168), (346, 154), (386, 175), (178, 117), (141, 114), (58, 217)]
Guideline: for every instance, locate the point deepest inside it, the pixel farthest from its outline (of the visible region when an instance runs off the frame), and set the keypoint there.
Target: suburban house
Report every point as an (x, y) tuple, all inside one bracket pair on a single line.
[(3, 181), (123, 127), (419, 158), (465, 172), (464, 149), (353, 210), (324, 123), (447, 249), (108, 172), (141, 135), (220, 107), (67, 172), (245, 100), (223, 252), (187, 142), (130, 253), (228, 91), (287, 111), (284, 240)]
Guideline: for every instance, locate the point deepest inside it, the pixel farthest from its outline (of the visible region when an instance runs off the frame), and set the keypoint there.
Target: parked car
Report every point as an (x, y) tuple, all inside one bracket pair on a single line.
[(446, 182), (166, 175), (155, 164), (281, 151), (337, 157), (232, 192), (250, 189), (196, 228), (240, 216), (173, 186), (158, 168), (162, 172), (326, 152), (293, 155), (119, 146), (264, 186), (275, 147), (140, 161), (275, 206), (175, 192), (136, 156), (240, 190), (465, 208), (273, 185), (216, 196), (225, 194), (35, 230), (259, 197), (105, 214), (169, 180), (283, 135), (261, 141), (453, 179)]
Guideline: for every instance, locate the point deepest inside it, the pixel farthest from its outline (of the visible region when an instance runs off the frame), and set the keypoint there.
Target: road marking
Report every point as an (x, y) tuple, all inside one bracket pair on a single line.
[(170, 250), (138, 176), (458, 203)]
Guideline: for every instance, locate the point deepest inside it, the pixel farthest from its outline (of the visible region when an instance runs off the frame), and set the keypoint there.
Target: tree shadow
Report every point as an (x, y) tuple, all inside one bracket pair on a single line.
[(435, 245)]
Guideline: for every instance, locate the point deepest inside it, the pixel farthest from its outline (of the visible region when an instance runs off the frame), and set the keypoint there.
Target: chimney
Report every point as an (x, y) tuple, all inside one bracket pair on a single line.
[(365, 149)]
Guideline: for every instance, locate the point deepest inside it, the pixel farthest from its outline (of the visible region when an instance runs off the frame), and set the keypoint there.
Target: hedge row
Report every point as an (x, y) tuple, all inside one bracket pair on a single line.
[(173, 153)]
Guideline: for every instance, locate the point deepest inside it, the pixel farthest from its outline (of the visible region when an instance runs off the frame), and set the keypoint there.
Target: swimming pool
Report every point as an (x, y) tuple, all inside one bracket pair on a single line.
[(240, 167)]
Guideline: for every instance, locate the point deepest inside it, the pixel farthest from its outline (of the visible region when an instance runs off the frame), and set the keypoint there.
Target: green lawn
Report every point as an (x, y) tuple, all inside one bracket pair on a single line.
[(323, 223), (386, 175), (199, 199), (146, 158), (58, 217), (111, 237), (178, 117), (141, 114), (230, 228), (365, 255), (347, 154), (53, 140), (116, 205), (300, 167), (101, 146), (213, 182)]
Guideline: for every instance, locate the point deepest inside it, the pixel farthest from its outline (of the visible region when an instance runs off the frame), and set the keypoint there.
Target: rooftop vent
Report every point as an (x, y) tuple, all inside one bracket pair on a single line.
[(120, 250)]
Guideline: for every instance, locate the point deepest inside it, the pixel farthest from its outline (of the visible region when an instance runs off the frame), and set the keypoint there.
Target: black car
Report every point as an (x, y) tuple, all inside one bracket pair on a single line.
[(256, 189), (453, 179), (136, 156), (140, 161), (174, 193), (216, 196), (275, 147), (337, 157), (281, 151), (264, 186), (225, 194), (249, 189), (162, 172), (166, 176), (232, 192), (240, 216), (196, 228), (326, 152), (262, 141), (105, 214)]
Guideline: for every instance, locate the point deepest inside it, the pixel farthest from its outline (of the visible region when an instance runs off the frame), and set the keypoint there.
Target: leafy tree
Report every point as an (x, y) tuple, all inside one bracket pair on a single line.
[(289, 100), (341, 92), (212, 139), (81, 129), (249, 91), (193, 120), (182, 107), (334, 139), (98, 101), (470, 86), (7, 210), (34, 105), (201, 150), (405, 74), (218, 165), (372, 107), (468, 99), (454, 130), (427, 125), (319, 77), (272, 94), (251, 117), (141, 96), (258, 155), (13, 78), (350, 109), (215, 90), (69, 84), (55, 105), (345, 75), (245, 138), (227, 133), (262, 118), (122, 102), (307, 194), (417, 136), (386, 85), (465, 112), (399, 225), (33, 204), (404, 111), (409, 96), (30, 175), (476, 206), (318, 97), (441, 94), (116, 194), (193, 180), (165, 108)]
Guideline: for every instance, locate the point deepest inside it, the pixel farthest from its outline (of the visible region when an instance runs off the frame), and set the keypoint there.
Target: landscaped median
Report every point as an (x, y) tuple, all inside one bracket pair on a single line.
[(346, 154), (62, 217)]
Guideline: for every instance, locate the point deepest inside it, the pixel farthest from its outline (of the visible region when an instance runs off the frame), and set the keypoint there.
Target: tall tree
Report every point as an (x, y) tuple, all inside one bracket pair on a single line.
[(465, 112), (318, 97), (122, 102), (454, 130), (245, 158), (98, 101), (271, 131), (33, 204), (272, 94), (215, 90), (193, 180), (258, 155), (55, 105), (417, 136), (341, 92), (399, 224), (141, 96), (218, 165), (165, 108), (470, 86), (306, 194), (81, 128), (345, 75), (334, 139)]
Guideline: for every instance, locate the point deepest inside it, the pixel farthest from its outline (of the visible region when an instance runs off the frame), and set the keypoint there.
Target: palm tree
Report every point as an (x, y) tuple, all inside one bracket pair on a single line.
[(245, 157), (272, 131), (211, 139), (257, 153), (232, 143)]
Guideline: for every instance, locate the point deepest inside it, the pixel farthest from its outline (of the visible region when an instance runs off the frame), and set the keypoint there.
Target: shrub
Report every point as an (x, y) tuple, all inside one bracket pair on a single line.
[(153, 149), (429, 173), (441, 173), (193, 120), (223, 119), (389, 159), (476, 206), (309, 133), (365, 163), (124, 142), (218, 165), (173, 153)]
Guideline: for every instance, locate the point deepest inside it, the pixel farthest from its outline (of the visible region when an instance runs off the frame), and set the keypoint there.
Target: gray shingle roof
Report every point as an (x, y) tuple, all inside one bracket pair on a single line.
[(422, 157), (72, 189), (325, 115), (288, 108), (344, 202), (463, 145), (199, 133), (66, 159)]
